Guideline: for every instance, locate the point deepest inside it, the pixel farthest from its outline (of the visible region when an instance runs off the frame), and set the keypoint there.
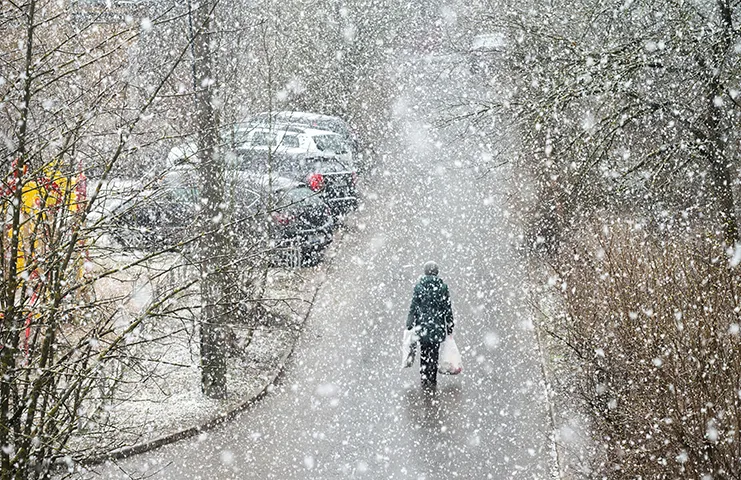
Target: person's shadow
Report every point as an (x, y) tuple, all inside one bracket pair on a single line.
[(428, 409), (430, 415)]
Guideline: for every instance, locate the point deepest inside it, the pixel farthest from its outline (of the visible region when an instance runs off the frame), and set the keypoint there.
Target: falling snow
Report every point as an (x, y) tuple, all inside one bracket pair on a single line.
[(215, 215)]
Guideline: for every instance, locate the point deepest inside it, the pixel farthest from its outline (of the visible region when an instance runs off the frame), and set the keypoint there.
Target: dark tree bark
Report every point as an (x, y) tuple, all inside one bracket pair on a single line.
[(211, 181), (13, 318), (716, 148)]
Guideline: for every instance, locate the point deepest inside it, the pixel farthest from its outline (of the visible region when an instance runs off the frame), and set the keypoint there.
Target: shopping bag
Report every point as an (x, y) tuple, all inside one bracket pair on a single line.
[(450, 358), (408, 348)]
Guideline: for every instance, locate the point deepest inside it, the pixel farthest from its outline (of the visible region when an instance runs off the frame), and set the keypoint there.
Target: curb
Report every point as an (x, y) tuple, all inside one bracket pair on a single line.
[(539, 318), (556, 469), (216, 420)]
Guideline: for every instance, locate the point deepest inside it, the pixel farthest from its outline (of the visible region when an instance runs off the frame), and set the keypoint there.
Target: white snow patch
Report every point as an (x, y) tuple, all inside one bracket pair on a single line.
[(527, 325), (378, 243), (327, 390), (349, 33), (227, 457), (589, 121), (736, 256), (711, 431), (449, 16), (491, 340)]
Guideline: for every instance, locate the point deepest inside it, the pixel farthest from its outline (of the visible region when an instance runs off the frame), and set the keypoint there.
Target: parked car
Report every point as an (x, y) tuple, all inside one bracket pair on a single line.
[(231, 136), (301, 224), (311, 120), (153, 218), (318, 158), (278, 138), (288, 215), (334, 180), (293, 140)]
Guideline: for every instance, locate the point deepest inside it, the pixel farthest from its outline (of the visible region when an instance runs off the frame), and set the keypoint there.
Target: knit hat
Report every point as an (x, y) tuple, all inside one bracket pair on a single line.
[(431, 268)]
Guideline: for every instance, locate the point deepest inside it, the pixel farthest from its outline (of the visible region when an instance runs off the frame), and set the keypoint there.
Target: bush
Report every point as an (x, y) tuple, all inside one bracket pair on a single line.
[(653, 323)]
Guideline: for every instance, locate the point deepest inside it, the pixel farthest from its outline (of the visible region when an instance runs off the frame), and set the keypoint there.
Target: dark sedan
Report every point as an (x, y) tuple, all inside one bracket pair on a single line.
[(288, 215), (299, 222), (329, 176)]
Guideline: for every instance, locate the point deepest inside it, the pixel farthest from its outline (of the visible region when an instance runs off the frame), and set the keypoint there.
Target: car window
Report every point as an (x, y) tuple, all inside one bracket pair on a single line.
[(185, 194), (290, 141), (263, 139), (247, 199), (331, 143), (297, 197), (239, 135)]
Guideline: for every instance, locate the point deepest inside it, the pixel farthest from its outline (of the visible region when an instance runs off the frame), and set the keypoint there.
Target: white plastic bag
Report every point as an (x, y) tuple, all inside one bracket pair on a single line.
[(450, 358), (408, 348)]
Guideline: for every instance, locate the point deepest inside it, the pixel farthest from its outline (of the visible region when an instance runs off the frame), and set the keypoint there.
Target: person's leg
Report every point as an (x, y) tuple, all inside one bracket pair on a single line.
[(428, 356), (423, 360), (434, 357)]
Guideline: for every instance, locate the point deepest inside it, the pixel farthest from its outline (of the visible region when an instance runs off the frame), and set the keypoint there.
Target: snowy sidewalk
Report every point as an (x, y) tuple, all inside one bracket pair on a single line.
[(161, 402)]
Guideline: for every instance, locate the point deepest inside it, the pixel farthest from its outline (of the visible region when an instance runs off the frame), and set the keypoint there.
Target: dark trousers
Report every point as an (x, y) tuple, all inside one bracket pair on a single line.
[(428, 356)]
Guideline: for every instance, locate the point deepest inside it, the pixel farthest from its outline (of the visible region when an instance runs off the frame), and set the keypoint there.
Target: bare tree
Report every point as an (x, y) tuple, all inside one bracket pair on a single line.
[(66, 111), (629, 118), (627, 105), (211, 185)]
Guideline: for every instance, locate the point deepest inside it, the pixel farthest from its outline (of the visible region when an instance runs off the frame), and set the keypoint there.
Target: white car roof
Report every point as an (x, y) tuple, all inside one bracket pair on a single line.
[(293, 129), (313, 132), (303, 115), (488, 41), (277, 182)]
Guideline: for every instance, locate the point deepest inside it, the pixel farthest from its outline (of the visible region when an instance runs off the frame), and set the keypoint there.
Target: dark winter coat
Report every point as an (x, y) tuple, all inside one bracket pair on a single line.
[(431, 310)]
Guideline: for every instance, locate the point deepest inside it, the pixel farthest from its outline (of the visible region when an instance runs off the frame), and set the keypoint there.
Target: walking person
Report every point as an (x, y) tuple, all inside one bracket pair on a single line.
[(431, 315)]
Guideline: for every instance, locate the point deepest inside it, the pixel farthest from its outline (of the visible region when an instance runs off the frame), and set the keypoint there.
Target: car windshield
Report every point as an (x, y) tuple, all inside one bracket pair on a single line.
[(298, 197), (333, 126), (332, 143)]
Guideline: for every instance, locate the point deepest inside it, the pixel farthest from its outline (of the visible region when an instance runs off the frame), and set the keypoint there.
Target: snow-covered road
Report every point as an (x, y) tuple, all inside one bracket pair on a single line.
[(344, 408)]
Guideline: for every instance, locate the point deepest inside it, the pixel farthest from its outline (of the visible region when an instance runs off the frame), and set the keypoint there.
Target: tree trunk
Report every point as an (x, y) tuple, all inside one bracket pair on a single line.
[(716, 148), (12, 317), (723, 191), (211, 180)]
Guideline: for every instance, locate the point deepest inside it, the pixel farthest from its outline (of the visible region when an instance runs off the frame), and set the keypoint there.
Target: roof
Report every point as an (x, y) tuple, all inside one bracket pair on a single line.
[(286, 128), (303, 115), (488, 41)]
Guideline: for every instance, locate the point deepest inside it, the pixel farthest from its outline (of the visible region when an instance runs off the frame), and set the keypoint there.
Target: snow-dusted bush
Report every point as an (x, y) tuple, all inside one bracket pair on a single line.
[(652, 323)]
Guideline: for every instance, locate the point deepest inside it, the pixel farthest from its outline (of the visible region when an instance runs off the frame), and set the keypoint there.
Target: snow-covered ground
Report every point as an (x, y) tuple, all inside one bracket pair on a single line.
[(162, 397)]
